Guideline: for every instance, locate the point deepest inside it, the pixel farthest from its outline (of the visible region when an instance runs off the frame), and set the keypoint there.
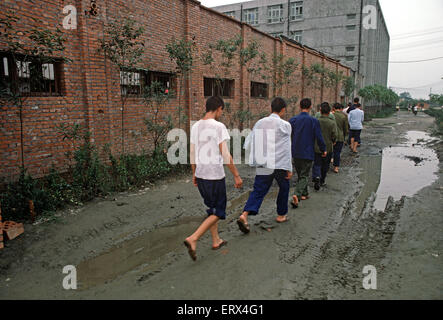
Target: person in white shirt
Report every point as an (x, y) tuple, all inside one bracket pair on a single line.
[(270, 151), (355, 118), (209, 151)]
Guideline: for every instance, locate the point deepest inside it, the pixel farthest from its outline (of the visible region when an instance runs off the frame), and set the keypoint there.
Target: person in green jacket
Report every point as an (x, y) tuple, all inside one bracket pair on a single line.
[(328, 130), (331, 116), (342, 123)]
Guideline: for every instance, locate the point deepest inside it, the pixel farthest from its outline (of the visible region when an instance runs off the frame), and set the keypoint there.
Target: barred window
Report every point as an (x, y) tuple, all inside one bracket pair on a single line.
[(218, 87), (134, 82), (130, 82), (29, 76), (259, 90)]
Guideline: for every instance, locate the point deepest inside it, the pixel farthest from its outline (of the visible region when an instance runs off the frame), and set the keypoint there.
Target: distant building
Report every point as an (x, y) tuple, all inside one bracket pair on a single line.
[(333, 27)]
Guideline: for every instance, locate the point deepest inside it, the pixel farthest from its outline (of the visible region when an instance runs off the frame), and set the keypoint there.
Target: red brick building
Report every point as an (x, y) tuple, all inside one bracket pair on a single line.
[(88, 89)]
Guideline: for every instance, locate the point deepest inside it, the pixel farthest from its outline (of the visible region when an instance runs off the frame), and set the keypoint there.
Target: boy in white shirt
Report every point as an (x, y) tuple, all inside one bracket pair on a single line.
[(209, 151)]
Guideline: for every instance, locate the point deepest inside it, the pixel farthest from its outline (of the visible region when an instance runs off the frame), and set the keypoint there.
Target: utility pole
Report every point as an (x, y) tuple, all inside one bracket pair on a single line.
[(289, 16), (359, 39), (241, 13)]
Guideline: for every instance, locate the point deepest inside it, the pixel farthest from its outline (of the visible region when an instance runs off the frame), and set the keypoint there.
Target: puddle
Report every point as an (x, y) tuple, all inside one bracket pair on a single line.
[(130, 254), (406, 168)]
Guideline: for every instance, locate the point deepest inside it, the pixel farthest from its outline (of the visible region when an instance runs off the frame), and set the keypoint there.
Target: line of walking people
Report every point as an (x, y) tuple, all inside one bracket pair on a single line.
[(276, 147)]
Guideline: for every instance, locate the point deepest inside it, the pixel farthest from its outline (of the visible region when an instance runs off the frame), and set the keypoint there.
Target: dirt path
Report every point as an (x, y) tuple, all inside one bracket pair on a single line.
[(130, 246)]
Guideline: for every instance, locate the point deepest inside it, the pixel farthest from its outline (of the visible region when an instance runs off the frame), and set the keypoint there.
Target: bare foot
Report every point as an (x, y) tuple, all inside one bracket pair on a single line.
[(281, 219), (243, 218), (192, 243)]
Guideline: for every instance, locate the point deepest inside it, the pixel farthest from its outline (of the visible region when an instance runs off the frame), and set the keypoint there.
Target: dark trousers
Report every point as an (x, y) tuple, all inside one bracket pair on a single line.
[(337, 153), (303, 168), (358, 139), (262, 184), (321, 166)]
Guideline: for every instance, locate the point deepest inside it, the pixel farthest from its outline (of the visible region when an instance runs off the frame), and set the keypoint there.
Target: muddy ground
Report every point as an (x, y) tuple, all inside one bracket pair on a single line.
[(129, 246)]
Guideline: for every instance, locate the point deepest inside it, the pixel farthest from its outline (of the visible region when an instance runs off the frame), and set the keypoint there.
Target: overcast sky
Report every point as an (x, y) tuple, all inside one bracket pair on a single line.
[(416, 30)]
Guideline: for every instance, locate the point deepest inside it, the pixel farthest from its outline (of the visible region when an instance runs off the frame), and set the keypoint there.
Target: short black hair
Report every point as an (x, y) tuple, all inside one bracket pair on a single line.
[(335, 105), (325, 108), (349, 104), (213, 103), (305, 103), (357, 100), (339, 106), (278, 104), (358, 105)]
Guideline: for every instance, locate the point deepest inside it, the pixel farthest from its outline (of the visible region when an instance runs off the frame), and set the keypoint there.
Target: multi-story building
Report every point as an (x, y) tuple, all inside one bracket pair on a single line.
[(335, 27)]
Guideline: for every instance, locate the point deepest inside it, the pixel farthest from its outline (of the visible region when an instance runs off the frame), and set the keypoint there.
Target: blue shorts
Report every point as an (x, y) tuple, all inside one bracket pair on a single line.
[(354, 134), (214, 196)]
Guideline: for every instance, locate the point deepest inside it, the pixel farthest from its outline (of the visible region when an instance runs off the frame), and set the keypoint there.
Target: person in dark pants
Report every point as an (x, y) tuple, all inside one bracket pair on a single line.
[(305, 132), (322, 163), (270, 152), (341, 120), (208, 174)]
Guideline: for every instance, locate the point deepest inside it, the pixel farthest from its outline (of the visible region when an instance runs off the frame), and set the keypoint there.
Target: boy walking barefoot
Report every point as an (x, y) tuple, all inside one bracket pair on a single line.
[(270, 145), (209, 151)]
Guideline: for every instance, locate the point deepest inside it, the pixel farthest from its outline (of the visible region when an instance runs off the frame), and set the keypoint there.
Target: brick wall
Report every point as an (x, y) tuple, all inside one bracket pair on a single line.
[(91, 91)]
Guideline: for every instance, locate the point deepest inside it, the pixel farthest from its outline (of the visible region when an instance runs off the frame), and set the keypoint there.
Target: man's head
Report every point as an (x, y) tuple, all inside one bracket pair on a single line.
[(339, 107), (359, 105), (356, 100), (305, 104), (325, 109), (278, 105), (349, 104), (335, 106), (216, 105)]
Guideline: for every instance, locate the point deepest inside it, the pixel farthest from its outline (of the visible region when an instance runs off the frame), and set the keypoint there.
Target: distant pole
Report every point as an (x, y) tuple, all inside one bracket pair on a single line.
[(359, 38), (241, 13), (289, 16)]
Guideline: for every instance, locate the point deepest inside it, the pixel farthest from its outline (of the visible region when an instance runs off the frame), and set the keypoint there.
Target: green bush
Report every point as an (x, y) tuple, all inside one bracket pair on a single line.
[(438, 115), (90, 178)]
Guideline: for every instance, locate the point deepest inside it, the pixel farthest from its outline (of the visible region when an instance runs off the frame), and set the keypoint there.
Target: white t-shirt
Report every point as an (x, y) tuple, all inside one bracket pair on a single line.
[(206, 136)]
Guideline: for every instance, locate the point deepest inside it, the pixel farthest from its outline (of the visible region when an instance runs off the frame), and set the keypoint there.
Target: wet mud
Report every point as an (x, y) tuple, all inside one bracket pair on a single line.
[(382, 209)]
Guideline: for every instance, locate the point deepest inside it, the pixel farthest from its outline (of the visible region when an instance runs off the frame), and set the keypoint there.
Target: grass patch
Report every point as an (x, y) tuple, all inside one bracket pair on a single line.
[(438, 115)]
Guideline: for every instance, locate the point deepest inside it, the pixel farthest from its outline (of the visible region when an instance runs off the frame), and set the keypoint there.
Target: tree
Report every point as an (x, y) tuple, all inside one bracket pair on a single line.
[(157, 123), (123, 47), (379, 94), (31, 51), (182, 53), (436, 99)]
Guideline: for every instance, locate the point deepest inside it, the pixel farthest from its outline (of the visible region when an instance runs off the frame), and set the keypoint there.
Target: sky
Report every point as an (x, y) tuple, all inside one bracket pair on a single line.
[(416, 31)]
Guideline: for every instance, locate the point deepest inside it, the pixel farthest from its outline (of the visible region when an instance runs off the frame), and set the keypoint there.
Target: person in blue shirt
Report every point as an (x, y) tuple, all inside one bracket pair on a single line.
[(305, 131)]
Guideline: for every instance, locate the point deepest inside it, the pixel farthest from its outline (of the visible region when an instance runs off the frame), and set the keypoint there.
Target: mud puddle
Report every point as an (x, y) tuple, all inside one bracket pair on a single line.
[(406, 168), (141, 250)]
